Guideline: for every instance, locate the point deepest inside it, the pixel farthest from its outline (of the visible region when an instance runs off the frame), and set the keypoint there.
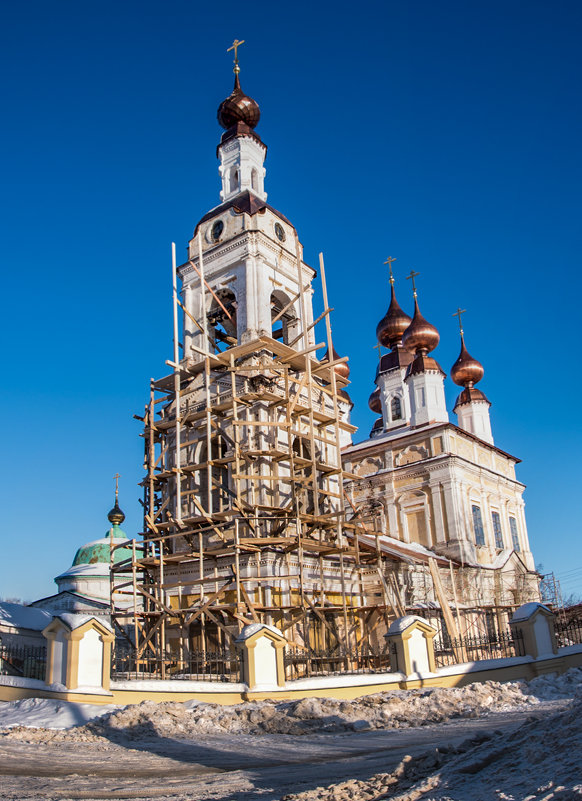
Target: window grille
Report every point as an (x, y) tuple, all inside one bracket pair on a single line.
[(478, 525), (514, 536), (497, 529)]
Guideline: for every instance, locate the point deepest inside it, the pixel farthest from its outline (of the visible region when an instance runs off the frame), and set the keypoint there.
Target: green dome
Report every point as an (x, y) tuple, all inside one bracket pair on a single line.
[(100, 550)]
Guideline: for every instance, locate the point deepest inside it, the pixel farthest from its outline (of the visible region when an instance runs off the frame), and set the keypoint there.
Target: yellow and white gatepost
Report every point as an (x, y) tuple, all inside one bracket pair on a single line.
[(534, 622), (79, 652), (411, 643), (262, 656)]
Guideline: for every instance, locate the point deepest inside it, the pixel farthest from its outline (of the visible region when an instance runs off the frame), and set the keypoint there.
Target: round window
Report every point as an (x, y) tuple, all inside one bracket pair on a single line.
[(280, 233), (217, 230)]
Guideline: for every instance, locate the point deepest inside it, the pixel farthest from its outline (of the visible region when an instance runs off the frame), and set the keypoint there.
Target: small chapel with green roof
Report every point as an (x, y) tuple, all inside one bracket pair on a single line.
[(84, 586)]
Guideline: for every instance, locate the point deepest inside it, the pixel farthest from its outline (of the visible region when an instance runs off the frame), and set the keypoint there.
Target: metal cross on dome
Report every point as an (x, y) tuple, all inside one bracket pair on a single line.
[(235, 46), (411, 277), (116, 477), (389, 261), (459, 314)]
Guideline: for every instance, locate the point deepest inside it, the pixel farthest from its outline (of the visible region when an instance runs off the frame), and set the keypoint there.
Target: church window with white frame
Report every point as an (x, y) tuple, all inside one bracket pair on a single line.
[(478, 525), (396, 408), (496, 520), (514, 534)]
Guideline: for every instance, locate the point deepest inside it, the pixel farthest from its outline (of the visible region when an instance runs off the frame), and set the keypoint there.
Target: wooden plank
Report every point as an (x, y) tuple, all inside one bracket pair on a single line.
[(450, 622), (249, 603), (191, 618)]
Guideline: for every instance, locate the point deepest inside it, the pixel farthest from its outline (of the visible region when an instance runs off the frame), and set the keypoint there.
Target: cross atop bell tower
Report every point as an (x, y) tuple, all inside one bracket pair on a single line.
[(245, 272), (241, 151)]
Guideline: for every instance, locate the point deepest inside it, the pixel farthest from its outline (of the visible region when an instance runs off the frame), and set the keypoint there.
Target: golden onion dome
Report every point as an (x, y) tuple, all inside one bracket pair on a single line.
[(420, 336), (466, 371), (341, 369), (116, 516), (392, 326), (238, 107), (374, 401)]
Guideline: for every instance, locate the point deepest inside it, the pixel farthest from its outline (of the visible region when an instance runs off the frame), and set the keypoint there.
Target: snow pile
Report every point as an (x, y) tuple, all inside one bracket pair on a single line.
[(388, 710), (49, 713), (539, 761)]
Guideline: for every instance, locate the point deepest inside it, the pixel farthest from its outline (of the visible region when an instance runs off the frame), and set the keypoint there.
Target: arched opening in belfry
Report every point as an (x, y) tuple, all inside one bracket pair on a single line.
[(254, 180), (284, 322), (222, 319), (214, 496), (233, 179)]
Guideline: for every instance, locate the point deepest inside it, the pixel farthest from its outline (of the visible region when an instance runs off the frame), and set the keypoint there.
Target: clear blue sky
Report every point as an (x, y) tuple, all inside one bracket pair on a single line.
[(445, 134)]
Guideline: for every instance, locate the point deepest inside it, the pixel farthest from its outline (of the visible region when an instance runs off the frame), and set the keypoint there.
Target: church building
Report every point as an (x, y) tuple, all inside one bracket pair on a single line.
[(258, 507)]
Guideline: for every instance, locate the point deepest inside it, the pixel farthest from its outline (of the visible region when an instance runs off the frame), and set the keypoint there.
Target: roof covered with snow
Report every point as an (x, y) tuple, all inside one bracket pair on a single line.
[(74, 621), (402, 623), (527, 610), (23, 617)]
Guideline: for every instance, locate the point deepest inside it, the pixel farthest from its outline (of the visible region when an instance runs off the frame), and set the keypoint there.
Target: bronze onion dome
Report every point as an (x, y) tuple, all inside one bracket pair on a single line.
[(116, 516), (374, 401), (466, 371), (341, 369), (420, 336), (238, 107), (392, 326)]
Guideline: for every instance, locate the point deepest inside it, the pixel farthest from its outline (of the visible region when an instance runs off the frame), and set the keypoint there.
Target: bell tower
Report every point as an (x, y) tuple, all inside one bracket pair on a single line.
[(246, 253)]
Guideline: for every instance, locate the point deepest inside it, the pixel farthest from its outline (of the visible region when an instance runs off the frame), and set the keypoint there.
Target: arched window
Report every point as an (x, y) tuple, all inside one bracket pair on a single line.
[(285, 323), (233, 179), (396, 408), (222, 318), (254, 180)]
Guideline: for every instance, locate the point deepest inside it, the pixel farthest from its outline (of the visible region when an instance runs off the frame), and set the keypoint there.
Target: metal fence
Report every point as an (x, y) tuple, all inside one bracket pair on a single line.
[(302, 662), (221, 665), (568, 633), (469, 648), (27, 661)]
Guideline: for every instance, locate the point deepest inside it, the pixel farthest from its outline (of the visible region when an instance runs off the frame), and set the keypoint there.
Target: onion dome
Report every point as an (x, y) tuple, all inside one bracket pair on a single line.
[(238, 107), (466, 371), (420, 336), (116, 516), (342, 369), (392, 326), (374, 401)]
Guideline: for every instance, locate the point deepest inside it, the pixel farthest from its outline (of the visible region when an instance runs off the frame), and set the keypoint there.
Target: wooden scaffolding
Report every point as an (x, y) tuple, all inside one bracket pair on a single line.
[(244, 503)]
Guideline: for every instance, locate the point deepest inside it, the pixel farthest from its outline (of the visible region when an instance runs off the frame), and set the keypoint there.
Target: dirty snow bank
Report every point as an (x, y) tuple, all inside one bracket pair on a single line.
[(539, 761), (394, 709)]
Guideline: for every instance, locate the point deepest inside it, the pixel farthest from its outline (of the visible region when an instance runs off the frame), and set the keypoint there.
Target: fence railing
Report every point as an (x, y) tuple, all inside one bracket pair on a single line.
[(477, 648), (568, 633), (221, 665), (27, 661), (304, 662)]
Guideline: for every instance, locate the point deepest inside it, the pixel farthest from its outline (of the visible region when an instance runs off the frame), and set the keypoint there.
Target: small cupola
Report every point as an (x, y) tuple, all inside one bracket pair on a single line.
[(471, 406), (241, 151)]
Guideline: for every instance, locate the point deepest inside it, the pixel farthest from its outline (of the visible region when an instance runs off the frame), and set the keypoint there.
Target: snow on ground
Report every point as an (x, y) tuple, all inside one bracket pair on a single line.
[(539, 761), (49, 713), (393, 709), (519, 741)]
